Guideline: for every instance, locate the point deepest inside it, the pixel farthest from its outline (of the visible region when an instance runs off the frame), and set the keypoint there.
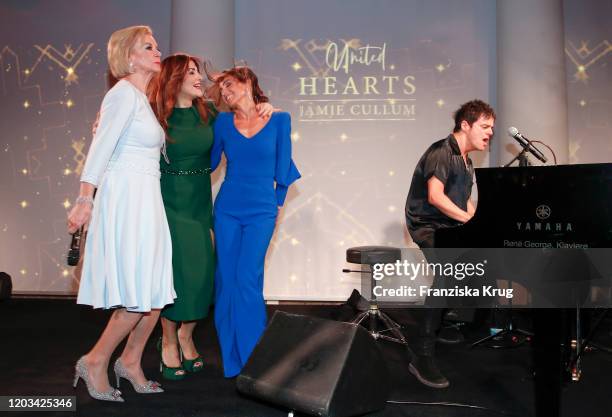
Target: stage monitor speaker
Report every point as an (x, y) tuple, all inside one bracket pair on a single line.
[(6, 286), (317, 367)]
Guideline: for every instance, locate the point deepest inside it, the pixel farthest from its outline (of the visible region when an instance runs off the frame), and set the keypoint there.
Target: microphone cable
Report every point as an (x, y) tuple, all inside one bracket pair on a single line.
[(451, 404), (549, 148)]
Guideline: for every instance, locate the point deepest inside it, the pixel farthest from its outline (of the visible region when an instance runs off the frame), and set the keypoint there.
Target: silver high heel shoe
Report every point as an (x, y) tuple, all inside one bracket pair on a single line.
[(81, 372), (151, 387)]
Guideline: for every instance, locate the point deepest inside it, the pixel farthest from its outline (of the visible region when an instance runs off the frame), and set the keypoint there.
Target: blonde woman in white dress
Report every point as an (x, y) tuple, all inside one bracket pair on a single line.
[(128, 256)]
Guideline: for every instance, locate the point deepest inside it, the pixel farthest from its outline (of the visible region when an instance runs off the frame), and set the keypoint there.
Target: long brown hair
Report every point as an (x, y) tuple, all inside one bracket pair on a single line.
[(244, 75), (164, 88)]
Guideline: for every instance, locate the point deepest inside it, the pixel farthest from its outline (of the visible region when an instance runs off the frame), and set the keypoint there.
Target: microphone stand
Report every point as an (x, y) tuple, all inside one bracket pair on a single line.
[(522, 158), (509, 336)]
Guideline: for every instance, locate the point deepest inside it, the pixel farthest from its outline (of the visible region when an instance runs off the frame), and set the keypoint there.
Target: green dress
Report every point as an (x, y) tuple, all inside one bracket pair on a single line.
[(185, 186)]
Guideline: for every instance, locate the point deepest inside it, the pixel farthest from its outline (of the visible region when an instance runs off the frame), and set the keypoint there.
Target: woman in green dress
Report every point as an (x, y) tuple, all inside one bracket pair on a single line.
[(176, 97)]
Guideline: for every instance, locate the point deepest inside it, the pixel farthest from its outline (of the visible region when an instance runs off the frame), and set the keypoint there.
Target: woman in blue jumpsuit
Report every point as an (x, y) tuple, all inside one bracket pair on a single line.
[(258, 153)]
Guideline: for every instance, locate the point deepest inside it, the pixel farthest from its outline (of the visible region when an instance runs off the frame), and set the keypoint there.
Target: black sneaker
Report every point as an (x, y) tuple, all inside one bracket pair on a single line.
[(427, 372)]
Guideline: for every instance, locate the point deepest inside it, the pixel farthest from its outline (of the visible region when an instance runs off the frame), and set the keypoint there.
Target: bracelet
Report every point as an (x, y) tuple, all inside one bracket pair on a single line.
[(83, 200)]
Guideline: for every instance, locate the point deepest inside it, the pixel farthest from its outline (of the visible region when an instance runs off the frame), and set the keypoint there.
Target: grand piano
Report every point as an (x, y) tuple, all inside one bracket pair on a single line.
[(564, 206)]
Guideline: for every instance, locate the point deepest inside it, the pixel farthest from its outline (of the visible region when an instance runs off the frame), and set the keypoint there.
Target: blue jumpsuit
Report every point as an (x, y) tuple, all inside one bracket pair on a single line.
[(244, 219)]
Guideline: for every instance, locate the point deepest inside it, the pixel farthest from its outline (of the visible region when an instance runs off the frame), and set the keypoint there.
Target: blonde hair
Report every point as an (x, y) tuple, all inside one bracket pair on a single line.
[(120, 45)]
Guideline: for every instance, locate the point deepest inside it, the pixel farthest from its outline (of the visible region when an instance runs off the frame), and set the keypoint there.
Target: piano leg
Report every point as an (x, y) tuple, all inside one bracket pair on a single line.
[(549, 328)]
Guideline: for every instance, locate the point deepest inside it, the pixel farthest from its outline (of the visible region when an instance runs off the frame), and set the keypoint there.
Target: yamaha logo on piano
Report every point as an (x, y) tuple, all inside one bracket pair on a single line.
[(543, 212)]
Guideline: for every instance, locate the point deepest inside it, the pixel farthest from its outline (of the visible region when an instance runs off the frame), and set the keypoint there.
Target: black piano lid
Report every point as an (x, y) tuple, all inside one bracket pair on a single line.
[(563, 203)]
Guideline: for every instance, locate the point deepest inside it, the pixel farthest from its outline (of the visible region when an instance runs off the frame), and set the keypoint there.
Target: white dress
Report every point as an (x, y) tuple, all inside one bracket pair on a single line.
[(128, 253)]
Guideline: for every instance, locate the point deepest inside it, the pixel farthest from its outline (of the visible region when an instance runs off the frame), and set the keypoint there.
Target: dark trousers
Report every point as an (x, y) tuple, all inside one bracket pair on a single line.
[(429, 318)]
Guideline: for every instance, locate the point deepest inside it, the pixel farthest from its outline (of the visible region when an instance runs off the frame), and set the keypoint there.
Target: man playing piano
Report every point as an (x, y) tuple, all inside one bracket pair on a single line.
[(439, 197)]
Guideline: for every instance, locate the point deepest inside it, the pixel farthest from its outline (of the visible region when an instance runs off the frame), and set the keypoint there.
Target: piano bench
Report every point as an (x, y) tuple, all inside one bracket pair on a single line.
[(372, 318), (370, 255)]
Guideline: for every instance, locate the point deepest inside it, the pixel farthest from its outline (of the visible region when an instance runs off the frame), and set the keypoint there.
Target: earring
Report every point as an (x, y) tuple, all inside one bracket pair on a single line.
[(131, 65)]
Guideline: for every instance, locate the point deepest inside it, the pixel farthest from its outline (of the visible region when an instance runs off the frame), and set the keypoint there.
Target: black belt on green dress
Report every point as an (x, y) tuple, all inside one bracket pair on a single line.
[(200, 171)]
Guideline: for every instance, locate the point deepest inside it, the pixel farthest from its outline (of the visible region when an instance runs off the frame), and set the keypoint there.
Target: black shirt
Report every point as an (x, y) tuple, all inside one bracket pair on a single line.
[(443, 160)]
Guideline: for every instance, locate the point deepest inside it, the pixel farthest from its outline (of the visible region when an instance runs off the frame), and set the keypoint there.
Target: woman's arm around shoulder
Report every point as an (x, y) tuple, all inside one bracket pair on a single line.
[(220, 127)]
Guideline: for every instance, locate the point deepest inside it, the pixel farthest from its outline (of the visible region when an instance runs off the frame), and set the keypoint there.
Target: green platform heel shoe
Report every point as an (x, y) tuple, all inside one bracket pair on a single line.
[(174, 374), (193, 365)]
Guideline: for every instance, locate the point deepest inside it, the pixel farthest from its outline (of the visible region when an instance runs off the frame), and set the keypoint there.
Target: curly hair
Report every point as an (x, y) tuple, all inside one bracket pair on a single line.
[(472, 111)]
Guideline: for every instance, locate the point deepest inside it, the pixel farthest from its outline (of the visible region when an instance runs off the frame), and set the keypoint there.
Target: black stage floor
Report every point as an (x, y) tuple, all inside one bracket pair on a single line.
[(40, 340)]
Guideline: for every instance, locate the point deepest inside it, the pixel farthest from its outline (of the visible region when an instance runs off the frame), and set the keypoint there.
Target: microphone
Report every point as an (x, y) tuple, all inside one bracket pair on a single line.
[(74, 253), (526, 143)]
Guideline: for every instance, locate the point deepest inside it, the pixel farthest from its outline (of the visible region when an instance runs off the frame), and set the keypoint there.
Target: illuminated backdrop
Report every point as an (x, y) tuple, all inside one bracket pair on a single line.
[(369, 86), (53, 61)]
